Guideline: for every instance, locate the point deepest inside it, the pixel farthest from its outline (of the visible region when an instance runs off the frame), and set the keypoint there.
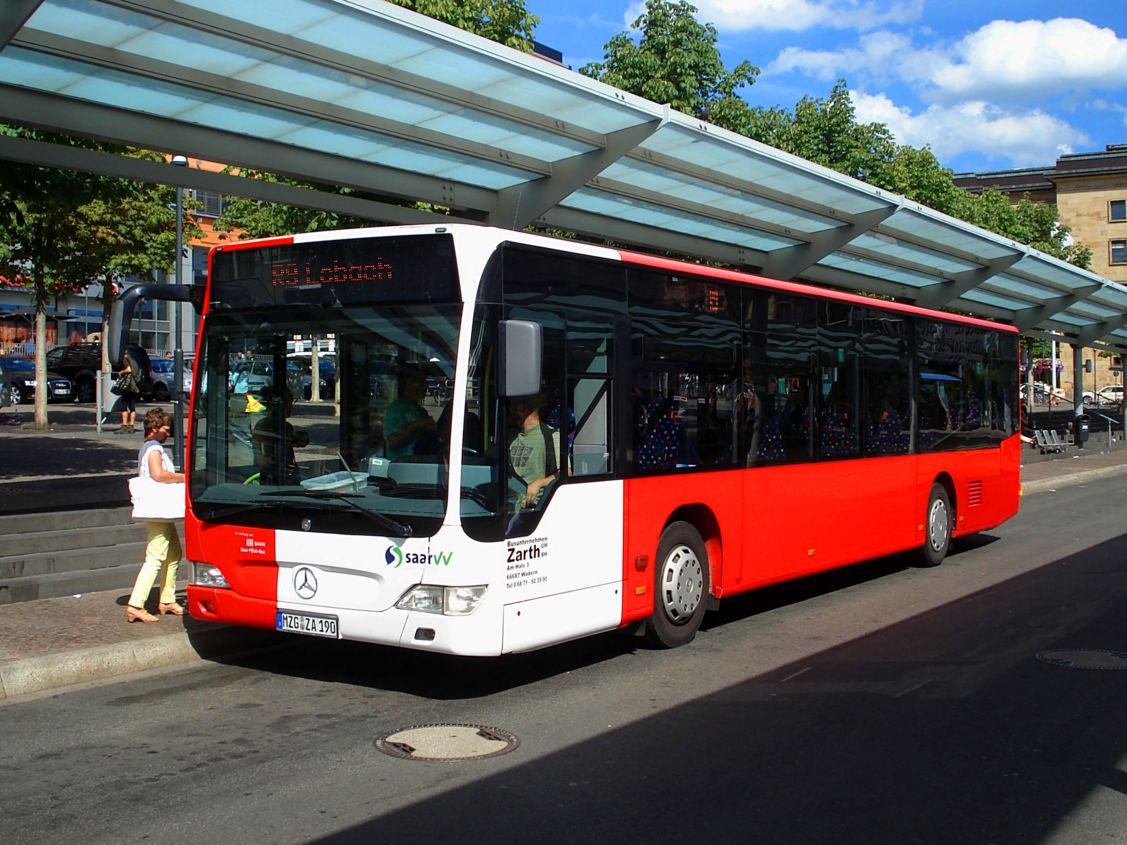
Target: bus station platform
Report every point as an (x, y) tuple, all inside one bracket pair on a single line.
[(51, 644)]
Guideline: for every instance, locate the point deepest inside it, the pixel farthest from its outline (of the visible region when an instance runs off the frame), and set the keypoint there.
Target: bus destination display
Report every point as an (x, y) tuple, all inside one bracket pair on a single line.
[(354, 271)]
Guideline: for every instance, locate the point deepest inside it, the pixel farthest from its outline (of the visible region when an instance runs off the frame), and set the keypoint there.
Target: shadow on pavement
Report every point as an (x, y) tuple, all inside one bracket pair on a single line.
[(944, 728)]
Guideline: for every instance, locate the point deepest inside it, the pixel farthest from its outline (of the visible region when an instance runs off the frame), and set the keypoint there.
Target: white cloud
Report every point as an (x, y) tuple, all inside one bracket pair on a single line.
[(1025, 138), (875, 52), (1033, 59), (798, 15), (1007, 60)]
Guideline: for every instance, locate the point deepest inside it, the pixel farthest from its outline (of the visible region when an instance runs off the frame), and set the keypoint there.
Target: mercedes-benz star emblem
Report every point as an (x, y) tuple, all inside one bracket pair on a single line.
[(305, 583)]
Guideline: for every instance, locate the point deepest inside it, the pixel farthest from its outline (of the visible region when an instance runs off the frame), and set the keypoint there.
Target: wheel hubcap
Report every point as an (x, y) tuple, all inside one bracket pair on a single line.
[(682, 584), (937, 521)]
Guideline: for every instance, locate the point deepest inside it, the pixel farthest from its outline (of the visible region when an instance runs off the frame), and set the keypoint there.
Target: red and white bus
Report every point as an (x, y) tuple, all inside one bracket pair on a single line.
[(713, 432)]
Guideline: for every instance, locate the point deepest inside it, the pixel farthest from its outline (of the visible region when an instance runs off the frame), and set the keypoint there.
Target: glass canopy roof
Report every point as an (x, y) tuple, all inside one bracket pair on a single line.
[(369, 95)]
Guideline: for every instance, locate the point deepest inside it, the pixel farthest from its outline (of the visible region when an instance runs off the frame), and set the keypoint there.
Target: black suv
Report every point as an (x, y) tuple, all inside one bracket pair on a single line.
[(81, 363)]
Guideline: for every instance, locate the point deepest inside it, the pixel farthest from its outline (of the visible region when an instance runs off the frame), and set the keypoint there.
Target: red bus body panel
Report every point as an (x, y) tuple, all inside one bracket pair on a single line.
[(770, 524)]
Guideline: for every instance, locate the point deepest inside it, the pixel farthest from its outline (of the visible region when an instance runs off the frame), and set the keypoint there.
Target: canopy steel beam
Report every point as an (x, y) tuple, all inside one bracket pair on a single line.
[(13, 15), (318, 53), (303, 108), (521, 204), (113, 125), (1087, 337), (944, 293), (42, 153), (789, 262), (642, 237), (1027, 318)]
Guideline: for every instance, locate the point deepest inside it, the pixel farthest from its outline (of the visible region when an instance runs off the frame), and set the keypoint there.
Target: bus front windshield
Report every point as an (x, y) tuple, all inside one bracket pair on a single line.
[(264, 452)]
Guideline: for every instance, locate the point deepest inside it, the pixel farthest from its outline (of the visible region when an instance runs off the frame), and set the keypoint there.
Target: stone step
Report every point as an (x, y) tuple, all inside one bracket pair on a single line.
[(68, 583), (72, 560), (32, 523), (63, 539)]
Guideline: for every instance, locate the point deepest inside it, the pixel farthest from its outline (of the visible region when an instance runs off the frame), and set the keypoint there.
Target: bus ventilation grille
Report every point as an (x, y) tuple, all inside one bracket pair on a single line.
[(974, 494)]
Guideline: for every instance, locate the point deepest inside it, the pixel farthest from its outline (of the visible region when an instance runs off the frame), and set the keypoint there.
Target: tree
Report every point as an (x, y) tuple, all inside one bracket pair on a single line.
[(40, 240), (507, 22), (133, 235), (62, 230), (260, 219), (675, 60)]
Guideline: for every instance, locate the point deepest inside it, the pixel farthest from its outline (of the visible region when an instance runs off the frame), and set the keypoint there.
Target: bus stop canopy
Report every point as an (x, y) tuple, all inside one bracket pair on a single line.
[(364, 94)]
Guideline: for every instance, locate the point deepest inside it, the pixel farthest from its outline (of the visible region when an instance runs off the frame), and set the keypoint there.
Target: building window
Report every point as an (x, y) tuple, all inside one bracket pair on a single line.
[(1119, 252), (1117, 211)]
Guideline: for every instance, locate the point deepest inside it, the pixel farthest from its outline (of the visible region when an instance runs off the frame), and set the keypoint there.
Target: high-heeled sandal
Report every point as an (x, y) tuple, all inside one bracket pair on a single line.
[(139, 614), (171, 609)]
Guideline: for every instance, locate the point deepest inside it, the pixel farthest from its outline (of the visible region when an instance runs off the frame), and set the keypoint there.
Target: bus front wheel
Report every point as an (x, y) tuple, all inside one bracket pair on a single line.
[(681, 582), (937, 525)]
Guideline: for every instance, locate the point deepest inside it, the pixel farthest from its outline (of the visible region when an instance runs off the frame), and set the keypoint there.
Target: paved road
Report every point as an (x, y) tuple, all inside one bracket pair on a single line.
[(880, 704)]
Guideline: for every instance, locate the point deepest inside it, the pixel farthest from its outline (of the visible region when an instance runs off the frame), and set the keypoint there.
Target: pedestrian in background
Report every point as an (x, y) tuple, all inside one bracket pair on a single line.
[(162, 554), (130, 391)]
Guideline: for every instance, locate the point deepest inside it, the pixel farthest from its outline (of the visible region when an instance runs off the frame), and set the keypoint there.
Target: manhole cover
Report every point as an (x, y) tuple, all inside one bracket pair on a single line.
[(446, 742), (1084, 658)]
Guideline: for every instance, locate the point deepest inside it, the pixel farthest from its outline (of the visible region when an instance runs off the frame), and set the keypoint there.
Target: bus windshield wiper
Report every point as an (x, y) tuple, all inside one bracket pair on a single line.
[(220, 512), (385, 522)]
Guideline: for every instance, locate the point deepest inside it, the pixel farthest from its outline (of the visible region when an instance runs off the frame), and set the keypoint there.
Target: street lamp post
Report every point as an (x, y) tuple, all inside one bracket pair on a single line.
[(177, 330)]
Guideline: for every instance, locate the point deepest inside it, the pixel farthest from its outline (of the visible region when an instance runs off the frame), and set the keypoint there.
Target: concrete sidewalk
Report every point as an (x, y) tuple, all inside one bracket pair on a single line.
[(54, 643)]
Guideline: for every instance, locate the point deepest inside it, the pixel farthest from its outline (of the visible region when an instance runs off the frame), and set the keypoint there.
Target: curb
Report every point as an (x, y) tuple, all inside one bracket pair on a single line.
[(31, 675), (1042, 485)]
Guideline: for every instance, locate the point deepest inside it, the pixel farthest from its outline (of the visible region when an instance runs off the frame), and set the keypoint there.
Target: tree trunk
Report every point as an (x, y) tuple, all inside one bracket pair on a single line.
[(41, 386)]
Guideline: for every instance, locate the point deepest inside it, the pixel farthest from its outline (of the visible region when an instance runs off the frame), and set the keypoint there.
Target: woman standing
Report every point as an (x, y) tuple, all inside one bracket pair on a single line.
[(131, 392), (162, 555)]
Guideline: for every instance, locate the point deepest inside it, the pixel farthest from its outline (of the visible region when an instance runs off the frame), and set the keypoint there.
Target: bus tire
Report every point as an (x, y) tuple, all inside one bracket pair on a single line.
[(681, 587), (937, 526)]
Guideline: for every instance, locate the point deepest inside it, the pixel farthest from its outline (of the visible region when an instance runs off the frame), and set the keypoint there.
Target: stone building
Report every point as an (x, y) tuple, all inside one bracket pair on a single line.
[(1090, 192)]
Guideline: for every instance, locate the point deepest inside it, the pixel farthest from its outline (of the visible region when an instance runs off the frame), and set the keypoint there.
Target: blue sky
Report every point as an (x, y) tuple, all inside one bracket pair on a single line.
[(990, 85)]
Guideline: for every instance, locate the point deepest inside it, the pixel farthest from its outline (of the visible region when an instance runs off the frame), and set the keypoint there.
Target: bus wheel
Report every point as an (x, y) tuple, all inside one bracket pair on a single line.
[(937, 525), (681, 580)]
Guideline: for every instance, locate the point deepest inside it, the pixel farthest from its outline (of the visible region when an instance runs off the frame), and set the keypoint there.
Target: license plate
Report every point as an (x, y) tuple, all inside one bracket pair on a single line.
[(61, 391), (308, 623)]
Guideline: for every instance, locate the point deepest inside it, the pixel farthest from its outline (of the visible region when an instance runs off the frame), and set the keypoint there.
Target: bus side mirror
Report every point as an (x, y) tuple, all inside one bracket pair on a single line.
[(121, 315), (520, 350)]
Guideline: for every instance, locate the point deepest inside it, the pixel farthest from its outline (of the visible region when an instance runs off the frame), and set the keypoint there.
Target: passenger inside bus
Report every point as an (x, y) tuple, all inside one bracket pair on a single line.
[(274, 440), (534, 450)]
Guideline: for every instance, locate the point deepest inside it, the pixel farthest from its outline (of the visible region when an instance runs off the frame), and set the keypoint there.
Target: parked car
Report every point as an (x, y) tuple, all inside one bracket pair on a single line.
[(1110, 395), (17, 380), (162, 383), (81, 363)]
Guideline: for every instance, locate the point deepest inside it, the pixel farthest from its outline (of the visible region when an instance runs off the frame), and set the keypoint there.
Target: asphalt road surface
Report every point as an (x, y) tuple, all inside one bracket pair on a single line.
[(880, 704)]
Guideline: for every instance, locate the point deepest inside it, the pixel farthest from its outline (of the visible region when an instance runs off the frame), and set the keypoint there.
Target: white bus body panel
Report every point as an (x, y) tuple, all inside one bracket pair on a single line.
[(561, 582)]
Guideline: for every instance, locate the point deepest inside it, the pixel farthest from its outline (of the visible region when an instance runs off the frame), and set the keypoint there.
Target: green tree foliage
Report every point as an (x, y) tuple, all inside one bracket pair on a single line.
[(507, 22), (259, 219), (675, 60), (62, 230)]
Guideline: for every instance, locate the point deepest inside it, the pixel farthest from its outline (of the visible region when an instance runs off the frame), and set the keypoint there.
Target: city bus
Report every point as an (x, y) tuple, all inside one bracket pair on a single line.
[(701, 432)]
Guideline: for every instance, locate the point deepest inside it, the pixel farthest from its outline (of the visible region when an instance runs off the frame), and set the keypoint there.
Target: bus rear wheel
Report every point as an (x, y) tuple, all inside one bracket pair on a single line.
[(937, 525), (681, 587)]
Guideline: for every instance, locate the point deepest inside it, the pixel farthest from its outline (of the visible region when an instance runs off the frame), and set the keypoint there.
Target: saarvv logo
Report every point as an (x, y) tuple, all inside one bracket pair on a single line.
[(396, 557)]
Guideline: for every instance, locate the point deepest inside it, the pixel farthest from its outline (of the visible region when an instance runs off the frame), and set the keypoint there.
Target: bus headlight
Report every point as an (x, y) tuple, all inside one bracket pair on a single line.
[(449, 601), (205, 575)]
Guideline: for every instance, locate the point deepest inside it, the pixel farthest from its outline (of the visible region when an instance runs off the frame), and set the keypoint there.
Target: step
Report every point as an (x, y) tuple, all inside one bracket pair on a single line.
[(31, 523), (69, 583), (71, 560), (62, 539)]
